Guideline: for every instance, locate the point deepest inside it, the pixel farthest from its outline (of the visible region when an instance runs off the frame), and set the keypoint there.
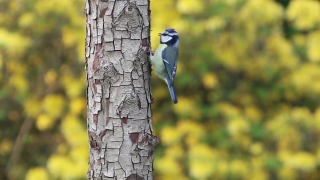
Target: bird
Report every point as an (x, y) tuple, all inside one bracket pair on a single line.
[(165, 59)]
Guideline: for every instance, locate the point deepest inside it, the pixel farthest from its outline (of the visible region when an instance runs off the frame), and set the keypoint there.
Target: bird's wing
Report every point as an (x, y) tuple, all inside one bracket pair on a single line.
[(170, 59)]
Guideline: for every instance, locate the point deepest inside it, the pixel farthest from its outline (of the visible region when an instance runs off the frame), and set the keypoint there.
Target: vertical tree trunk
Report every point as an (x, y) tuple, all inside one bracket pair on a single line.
[(118, 89)]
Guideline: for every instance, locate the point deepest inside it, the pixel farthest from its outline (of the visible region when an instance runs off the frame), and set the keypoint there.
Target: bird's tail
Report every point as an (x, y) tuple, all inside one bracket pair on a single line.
[(172, 93)]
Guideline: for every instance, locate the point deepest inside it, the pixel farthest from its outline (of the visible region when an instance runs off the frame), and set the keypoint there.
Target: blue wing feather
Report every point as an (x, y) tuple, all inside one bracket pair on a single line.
[(170, 58)]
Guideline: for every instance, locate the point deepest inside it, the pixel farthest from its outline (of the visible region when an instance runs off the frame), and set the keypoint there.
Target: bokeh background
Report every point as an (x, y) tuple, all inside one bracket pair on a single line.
[(248, 86)]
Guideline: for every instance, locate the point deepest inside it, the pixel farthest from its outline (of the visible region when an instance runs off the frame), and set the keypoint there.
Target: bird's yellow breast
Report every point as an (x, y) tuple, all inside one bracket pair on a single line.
[(157, 62)]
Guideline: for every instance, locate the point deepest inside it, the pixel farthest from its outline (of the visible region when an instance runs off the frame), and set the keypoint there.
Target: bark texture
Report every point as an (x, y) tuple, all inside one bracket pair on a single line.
[(118, 89)]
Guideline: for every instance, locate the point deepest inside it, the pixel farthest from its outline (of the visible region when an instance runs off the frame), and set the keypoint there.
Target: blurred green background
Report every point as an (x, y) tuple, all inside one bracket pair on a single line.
[(248, 86)]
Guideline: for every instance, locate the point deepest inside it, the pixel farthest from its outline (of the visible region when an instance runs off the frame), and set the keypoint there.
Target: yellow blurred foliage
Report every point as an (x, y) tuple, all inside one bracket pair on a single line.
[(260, 174), (59, 166), (302, 116), (50, 77), (37, 173), (191, 131), (190, 6), (190, 127), (82, 152), (238, 126), (185, 106), (32, 107), (169, 135), (5, 146), (53, 105), (62, 149), (256, 148), (287, 173), (16, 67), (202, 161), (210, 80), (19, 83), (317, 119), (303, 161), (239, 168), (62, 167), (73, 131), (14, 43), (44, 122), (304, 14), (36, 39), (161, 93), (258, 162), (215, 23), (26, 20), (229, 110), (68, 36), (251, 12), (78, 105), (1, 63), (282, 49), (175, 151), (299, 40), (313, 46), (168, 166), (74, 86), (253, 113), (318, 155), (307, 78)]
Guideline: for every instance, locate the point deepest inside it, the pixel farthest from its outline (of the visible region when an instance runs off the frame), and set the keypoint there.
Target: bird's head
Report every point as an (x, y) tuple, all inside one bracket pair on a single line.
[(169, 37)]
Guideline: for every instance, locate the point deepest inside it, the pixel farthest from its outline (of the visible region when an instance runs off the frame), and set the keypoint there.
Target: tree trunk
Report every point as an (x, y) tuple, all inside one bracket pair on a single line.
[(118, 89)]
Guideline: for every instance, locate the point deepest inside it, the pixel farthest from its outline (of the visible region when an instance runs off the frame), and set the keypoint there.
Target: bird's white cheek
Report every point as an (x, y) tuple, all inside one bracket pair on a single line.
[(165, 38)]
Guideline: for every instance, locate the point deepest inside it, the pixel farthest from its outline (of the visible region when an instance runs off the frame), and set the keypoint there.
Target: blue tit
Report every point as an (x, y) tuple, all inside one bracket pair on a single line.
[(165, 59)]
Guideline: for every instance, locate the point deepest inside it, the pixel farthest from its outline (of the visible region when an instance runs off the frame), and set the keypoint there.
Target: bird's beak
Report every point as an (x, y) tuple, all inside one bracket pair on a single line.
[(160, 34)]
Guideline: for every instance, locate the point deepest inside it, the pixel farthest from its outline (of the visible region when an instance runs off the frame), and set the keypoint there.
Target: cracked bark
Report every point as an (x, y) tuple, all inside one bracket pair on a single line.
[(118, 89)]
